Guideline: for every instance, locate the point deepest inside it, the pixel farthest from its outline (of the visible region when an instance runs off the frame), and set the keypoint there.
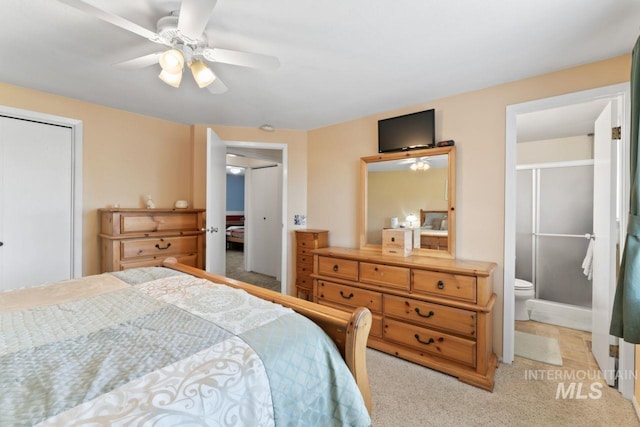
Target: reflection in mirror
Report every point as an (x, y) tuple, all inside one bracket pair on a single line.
[(410, 190)]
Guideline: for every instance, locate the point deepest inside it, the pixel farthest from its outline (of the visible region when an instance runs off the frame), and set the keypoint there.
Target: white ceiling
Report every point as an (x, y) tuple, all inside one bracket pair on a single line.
[(339, 60), (561, 122)]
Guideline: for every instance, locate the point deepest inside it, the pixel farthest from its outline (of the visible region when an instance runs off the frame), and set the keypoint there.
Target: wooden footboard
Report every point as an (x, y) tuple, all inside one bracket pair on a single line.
[(348, 331)]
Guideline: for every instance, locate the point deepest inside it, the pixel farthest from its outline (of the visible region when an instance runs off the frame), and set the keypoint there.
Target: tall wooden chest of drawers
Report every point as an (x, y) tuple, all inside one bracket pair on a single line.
[(145, 237), (432, 311), (306, 241)]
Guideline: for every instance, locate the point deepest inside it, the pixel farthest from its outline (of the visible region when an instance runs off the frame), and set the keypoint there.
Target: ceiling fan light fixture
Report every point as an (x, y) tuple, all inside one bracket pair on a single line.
[(172, 79), (201, 73), (172, 61), (420, 165)]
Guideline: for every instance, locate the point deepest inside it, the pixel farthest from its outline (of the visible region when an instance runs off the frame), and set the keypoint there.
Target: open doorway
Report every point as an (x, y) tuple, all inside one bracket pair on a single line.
[(253, 204), (263, 216), (553, 120)]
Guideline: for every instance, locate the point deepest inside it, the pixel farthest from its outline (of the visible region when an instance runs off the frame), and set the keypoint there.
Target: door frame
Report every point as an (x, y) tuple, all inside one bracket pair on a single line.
[(76, 185), (284, 247), (618, 91)]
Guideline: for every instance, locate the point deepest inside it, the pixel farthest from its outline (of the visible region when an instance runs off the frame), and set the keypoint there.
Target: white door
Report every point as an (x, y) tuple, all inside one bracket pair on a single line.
[(36, 203), (604, 228), (265, 221), (216, 196)]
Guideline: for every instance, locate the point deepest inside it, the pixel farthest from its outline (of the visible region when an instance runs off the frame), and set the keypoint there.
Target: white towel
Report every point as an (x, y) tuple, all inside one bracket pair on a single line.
[(587, 264)]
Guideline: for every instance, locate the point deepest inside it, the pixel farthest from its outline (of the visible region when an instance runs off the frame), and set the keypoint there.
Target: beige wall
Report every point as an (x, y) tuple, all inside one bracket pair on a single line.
[(125, 156), (476, 121), (555, 150)]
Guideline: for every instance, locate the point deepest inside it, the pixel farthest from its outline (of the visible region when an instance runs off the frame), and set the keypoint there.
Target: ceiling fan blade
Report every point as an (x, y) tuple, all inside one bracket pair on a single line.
[(113, 19), (194, 16), (217, 87), (140, 62), (244, 59)]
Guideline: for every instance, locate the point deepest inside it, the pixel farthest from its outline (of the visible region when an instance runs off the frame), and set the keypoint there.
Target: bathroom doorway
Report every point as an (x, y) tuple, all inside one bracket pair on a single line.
[(555, 111)]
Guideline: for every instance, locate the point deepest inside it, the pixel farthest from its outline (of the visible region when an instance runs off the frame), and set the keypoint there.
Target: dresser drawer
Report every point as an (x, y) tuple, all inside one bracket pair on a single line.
[(438, 316), (445, 285), (190, 260), (303, 251), (337, 267), (444, 345), (149, 222), (348, 295), (304, 258), (387, 275), (304, 281), (158, 247), (304, 269), (307, 240)]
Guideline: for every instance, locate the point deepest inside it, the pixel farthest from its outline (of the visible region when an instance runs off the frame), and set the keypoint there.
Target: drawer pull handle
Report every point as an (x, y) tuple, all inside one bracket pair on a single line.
[(423, 342), (440, 284), (346, 296), (335, 268), (166, 247), (431, 313)]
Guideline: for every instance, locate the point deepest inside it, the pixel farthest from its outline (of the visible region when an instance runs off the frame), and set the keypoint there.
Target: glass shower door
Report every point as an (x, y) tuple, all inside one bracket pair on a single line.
[(554, 213), (564, 217)]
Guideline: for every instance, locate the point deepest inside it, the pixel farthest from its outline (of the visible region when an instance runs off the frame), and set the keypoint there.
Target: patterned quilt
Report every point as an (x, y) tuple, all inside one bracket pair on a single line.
[(157, 347)]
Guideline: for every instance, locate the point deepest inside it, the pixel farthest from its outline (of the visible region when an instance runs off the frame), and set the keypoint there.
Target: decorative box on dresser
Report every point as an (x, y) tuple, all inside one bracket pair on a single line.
[(145, 237), (306, 241), (436, 312)]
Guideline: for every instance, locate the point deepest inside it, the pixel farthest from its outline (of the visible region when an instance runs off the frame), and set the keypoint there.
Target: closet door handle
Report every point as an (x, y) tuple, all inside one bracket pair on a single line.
[(426, 316)]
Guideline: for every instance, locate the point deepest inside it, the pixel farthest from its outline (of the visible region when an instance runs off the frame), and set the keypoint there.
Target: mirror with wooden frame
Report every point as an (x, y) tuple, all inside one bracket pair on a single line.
[(410, 189)]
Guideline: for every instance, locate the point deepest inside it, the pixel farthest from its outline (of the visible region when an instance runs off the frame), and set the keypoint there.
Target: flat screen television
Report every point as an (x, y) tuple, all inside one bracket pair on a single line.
[(411, 131)]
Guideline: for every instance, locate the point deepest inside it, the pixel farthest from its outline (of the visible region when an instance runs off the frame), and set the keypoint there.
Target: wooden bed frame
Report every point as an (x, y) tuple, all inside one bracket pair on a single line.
[(349, 331)]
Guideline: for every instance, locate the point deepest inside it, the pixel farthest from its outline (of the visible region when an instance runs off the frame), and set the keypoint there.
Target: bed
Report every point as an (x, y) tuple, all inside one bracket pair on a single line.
[(175, 345), (434, 229), (234, 230)]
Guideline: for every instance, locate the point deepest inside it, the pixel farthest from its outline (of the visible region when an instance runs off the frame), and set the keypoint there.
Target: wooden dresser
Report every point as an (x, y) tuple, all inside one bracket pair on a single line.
[(145, 237), (306, 241), (432, 311)]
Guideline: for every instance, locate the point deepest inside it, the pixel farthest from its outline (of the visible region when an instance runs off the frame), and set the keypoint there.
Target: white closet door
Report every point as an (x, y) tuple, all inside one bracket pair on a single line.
[(36, 211), (265, 221)]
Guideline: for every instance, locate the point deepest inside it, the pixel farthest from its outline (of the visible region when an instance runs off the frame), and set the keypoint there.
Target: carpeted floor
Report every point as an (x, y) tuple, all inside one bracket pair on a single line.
[(406, 395), (235, 270)]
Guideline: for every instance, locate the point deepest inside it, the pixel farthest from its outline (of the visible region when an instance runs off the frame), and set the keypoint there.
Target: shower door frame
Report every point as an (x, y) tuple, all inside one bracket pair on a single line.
[(535, 210)]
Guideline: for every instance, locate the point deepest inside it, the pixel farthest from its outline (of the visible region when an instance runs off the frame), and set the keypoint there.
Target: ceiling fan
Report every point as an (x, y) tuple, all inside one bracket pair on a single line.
[(183, 32)]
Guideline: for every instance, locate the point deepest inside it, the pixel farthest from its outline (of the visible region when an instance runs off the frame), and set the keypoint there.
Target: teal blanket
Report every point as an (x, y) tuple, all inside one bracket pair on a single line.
[(172, 350)]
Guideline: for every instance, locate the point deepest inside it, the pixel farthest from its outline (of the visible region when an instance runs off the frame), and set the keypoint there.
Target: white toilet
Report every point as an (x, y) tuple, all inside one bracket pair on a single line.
[(523, 291)]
